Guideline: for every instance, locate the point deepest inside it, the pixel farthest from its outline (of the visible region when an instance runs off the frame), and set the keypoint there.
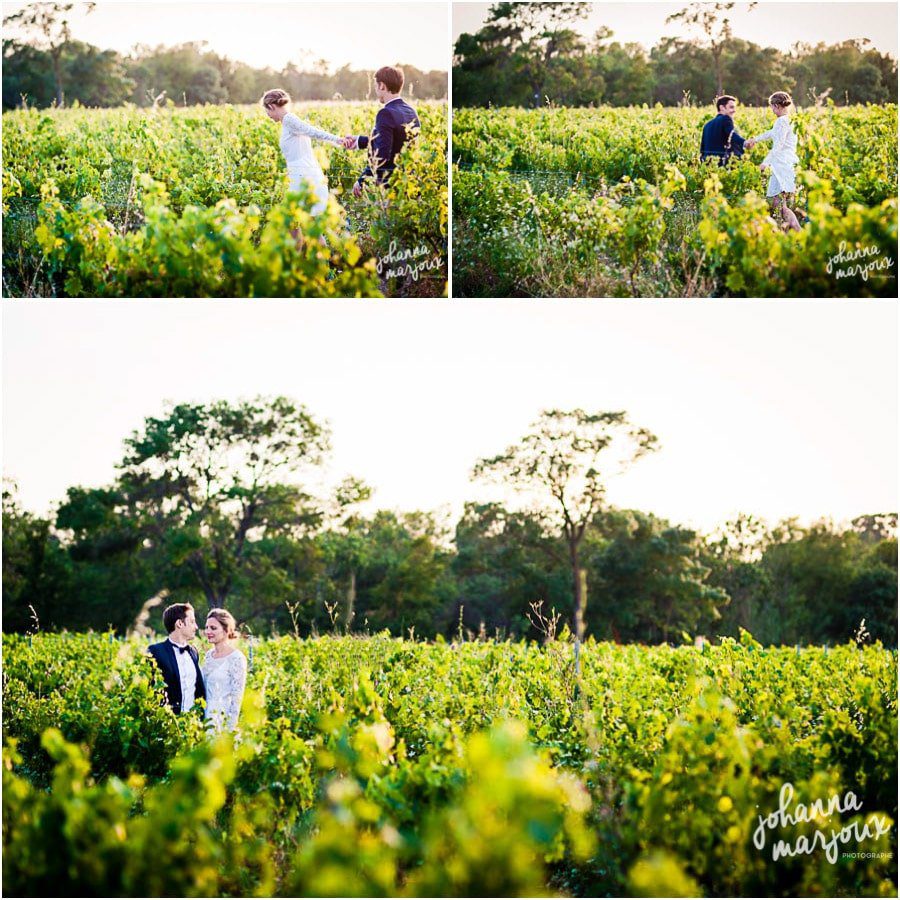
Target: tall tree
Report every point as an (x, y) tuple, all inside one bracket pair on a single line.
[(505, 561), (712, 20), (733, 553), (48, 24), (401, 570), (876, 527), (345, 547), (531, 36), (563, 465), (825, 579), (113, 571), (205, 479), (651, 576), (37, 578), (623, 71)]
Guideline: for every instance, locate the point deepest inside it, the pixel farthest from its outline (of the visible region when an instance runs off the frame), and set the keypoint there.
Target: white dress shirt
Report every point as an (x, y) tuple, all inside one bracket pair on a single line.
[(187, 672)]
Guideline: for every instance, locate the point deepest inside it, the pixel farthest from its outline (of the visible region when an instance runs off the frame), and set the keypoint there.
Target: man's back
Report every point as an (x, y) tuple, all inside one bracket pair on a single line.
[(392, 127), (720, 139)]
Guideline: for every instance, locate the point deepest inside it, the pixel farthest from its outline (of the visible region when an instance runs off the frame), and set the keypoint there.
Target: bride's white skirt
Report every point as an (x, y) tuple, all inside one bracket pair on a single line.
[(316, 181), (784, 181), (781, 176)]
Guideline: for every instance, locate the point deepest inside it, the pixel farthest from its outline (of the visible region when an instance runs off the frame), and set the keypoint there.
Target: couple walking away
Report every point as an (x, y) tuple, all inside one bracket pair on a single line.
[(721, 140), (219, 681), (387, 140)]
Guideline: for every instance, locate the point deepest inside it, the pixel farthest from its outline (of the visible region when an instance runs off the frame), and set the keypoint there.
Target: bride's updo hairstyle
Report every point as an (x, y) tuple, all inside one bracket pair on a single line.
[(276, 97), (781, 99), (225, 619)]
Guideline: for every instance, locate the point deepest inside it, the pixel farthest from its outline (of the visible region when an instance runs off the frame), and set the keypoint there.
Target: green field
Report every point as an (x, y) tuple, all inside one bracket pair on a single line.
[(172, 202), (375, 766), (615, 201)]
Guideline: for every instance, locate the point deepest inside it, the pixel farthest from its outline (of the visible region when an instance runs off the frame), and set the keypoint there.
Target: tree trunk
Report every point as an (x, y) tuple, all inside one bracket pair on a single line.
[(579, 585), (717, 60), (579, 623), (577, 610), (57, 75), (536, 82), (351, 600), (197, 566)]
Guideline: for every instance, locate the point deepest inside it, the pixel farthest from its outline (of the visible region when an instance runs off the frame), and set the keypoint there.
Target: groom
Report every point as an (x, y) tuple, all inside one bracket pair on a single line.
[(177, 660), (720, 138), (392, 124)]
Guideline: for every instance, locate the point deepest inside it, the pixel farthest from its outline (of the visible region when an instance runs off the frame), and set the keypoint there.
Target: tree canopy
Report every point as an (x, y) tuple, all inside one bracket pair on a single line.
[(564, 464), (73, 71), (528, 55), (227, 503)]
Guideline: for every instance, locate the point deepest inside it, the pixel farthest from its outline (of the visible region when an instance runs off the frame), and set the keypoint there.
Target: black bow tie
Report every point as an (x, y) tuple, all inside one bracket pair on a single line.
[(183, 649)]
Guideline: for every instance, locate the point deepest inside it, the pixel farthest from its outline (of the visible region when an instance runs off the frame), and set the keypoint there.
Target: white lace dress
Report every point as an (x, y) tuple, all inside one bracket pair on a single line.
[(782, 158), (224, 679), (296, 145)]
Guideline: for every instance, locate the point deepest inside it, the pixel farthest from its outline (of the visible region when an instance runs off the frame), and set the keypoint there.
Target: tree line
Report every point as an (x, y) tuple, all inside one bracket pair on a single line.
[(214, 504), (529, 55), (52, 68)]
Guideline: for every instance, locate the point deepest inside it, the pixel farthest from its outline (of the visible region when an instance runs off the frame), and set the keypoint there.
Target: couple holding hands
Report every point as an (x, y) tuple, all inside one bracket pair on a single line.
[(391, 132), (721, 140)]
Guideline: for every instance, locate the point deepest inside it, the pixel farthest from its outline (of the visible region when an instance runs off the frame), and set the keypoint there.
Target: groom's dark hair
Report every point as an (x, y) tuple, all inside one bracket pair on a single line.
[(174, 613), (725, 98), (391, 77)]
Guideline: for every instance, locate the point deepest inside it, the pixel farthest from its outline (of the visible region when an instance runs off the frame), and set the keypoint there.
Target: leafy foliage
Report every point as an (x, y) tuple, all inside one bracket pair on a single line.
[(192, 202), (564, 462), (530, 55), (188, 73), (616, 202), (383, 767)]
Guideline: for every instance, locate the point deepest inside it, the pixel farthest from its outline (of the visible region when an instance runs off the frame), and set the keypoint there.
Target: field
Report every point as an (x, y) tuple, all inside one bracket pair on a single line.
[(375, 766), (615, 201), (191, 202)]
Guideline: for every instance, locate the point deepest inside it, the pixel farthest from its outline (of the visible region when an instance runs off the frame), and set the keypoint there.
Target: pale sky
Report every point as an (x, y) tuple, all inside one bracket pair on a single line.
[(363, 35), (771, 24), (773, 408)]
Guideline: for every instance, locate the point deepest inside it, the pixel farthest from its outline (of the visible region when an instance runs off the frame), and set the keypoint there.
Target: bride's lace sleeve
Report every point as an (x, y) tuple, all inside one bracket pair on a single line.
[(766, 135), (237, 680), (782, 131), (298, 126)]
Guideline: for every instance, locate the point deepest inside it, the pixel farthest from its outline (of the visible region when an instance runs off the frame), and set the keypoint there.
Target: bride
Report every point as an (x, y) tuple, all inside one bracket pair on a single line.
[(224, 672), (297, 147)]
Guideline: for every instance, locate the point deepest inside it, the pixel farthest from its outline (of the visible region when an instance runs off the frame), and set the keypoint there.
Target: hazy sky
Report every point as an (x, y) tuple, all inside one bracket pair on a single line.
[(770, 24), (775, 408), (363, 35)]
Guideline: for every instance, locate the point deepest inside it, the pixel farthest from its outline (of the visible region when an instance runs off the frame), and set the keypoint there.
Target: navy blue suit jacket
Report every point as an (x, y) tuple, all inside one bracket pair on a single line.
[(388, 138), (720, 138), (164, 655)]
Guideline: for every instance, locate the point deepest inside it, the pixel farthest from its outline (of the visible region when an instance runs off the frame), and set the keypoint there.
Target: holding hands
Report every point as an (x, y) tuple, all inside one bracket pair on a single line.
[(349, 143), (749, 144)]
